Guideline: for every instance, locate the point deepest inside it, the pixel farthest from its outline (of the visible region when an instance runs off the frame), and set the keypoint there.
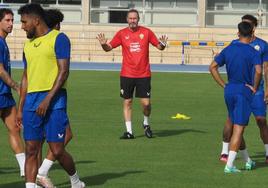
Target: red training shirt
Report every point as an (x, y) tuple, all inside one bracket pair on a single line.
[(135, 51)]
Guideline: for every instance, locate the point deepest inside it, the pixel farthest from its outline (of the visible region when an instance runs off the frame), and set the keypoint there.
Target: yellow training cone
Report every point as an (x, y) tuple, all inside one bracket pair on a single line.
[(181, 116)]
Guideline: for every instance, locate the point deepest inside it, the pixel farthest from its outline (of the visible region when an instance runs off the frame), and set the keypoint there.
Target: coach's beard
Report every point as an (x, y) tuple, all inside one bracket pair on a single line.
[(133, 25)]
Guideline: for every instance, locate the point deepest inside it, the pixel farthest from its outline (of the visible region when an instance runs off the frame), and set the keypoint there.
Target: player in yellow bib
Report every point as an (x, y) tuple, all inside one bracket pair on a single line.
[(53, 19), (42, 105)]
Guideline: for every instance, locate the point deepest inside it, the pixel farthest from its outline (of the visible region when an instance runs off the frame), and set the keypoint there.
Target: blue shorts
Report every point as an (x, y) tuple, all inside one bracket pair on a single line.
[(7, 101), (238, 108), (258, 105), (52, 126)]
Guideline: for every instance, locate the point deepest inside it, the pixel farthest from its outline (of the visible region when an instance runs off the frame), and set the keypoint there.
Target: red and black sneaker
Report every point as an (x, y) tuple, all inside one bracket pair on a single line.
[(224, 158)]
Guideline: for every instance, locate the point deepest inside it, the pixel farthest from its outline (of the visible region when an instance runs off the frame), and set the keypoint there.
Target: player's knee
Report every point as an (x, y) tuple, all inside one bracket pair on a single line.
[(147, 107), (31, 151), (128, 102), (261, 122), (58, 152), (15, 133), (13, 129)]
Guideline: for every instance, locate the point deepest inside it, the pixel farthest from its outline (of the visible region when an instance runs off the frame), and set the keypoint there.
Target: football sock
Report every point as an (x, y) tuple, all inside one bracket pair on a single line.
[(266, 149), (74, 179), (225, 148), (44, 168), (129, 126), (30, 185), (21, 160), (245, 156), (231, 158), (146, 120)]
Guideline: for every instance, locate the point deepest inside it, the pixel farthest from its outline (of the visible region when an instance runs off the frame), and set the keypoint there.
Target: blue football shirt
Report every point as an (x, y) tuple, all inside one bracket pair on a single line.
[(261, 47), (240, 60)]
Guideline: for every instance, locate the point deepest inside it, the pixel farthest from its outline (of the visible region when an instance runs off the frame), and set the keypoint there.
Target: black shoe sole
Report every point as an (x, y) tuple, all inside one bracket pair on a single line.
[(127, 136)]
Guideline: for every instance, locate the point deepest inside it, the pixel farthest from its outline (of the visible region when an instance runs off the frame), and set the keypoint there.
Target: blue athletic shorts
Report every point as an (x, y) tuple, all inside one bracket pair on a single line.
[(7, 100), (258, 104), (50, 127), (238, 108)]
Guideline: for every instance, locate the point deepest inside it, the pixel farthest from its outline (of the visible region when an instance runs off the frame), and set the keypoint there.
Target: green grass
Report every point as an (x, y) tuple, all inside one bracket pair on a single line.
[(183, 154)]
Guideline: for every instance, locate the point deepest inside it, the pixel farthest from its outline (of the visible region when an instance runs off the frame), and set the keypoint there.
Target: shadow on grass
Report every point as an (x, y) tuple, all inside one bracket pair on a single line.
[(259, 158), (100, 179), (18, 184), (258, 155), (57, 166), (9, 170), (165, 133)]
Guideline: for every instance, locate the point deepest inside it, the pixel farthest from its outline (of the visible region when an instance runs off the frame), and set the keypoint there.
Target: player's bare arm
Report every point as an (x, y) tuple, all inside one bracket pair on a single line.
[(265, 70), (213, 68), (63, 65), (8, 80), (103, 41), (257, 77), (23, 92), (162, 42)]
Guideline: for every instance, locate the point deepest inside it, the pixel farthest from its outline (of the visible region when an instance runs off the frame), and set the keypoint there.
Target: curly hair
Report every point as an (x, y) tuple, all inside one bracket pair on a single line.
[(32, 8), (53, 17)]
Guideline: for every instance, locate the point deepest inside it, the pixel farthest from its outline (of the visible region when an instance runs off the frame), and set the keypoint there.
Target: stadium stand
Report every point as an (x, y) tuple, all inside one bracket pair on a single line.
[(85, 47)]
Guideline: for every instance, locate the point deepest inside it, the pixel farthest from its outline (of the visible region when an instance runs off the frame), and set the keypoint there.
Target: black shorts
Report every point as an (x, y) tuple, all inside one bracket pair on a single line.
[(142, 87)]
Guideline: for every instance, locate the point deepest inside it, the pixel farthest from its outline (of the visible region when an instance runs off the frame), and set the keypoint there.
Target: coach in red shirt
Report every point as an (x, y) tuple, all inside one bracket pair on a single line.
[(135, 73)]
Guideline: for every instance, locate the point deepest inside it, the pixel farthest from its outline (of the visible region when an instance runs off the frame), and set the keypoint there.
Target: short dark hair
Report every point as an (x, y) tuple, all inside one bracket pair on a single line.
[(251, 18), (5, 11), (32, 8), (245, 29), (53, 17), (133, 10)]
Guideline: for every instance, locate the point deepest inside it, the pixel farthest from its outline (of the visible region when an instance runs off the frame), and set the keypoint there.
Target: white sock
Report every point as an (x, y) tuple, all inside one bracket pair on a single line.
[(21, 160), (225, 148), (129, 126), (245, 156), (30, 185), (146, 120), (74, 179), (44, 168), (266, 149), (231, 158)]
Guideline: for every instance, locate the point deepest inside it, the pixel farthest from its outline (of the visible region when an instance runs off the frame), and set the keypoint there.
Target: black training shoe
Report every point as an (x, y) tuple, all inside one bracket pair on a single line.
[(147, 131), (127, 135)]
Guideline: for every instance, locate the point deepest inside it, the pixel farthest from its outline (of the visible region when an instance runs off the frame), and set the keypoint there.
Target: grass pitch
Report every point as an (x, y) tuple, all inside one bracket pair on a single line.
[(182, 154)]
